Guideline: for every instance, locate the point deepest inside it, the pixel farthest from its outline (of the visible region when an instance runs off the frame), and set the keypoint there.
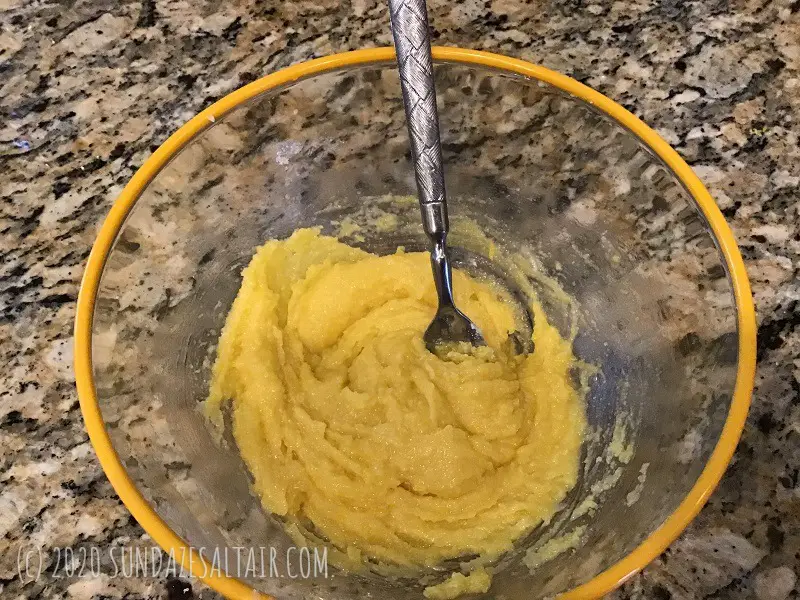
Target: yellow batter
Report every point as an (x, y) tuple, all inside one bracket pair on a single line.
[(394, 454)]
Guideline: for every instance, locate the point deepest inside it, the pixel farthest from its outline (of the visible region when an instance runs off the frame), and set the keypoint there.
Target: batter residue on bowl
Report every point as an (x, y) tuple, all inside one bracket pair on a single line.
[(395, 455)]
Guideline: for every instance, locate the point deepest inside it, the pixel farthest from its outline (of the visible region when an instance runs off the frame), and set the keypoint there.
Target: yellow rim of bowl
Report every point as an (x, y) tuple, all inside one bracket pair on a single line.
[(235, 589)]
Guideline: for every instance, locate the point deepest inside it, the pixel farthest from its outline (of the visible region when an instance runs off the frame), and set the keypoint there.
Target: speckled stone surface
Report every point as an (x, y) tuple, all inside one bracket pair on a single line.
[(89, 88)]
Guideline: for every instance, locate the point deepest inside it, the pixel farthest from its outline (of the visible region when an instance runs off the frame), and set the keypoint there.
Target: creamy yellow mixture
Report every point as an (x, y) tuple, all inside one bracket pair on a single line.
[(395, 455)]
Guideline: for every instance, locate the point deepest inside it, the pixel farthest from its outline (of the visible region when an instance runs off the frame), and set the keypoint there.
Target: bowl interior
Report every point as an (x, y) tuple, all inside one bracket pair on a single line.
[(547, 179)]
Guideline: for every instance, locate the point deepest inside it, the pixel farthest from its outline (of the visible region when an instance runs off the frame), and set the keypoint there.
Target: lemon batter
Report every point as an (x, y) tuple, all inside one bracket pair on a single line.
[(394, 455)]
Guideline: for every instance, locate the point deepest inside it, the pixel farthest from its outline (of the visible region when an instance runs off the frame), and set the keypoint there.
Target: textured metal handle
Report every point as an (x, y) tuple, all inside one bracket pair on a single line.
[(413, 47)]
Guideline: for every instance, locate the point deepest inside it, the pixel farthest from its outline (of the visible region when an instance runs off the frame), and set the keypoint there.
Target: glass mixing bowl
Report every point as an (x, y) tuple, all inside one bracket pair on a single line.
[(549, 170)]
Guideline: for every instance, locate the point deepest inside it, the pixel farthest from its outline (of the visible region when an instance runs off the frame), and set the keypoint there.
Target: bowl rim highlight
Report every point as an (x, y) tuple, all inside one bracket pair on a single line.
[(602, 583)]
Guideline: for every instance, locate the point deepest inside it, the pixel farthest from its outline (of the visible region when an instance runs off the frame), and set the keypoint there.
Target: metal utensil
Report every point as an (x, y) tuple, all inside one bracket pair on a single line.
[(413, 47)]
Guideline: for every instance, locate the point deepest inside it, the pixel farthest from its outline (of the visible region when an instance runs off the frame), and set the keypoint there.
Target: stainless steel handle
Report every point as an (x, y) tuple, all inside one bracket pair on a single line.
[(413, 47)]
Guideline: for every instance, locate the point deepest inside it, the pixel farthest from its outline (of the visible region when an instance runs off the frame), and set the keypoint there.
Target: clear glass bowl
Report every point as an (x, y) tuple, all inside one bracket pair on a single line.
[(549, 170)]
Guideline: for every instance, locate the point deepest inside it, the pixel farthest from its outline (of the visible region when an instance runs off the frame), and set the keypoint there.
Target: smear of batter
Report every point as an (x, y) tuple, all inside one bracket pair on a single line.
[(395, 455)]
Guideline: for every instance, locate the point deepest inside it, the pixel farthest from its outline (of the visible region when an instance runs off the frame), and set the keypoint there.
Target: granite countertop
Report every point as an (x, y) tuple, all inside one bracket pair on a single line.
[(88, 89)]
